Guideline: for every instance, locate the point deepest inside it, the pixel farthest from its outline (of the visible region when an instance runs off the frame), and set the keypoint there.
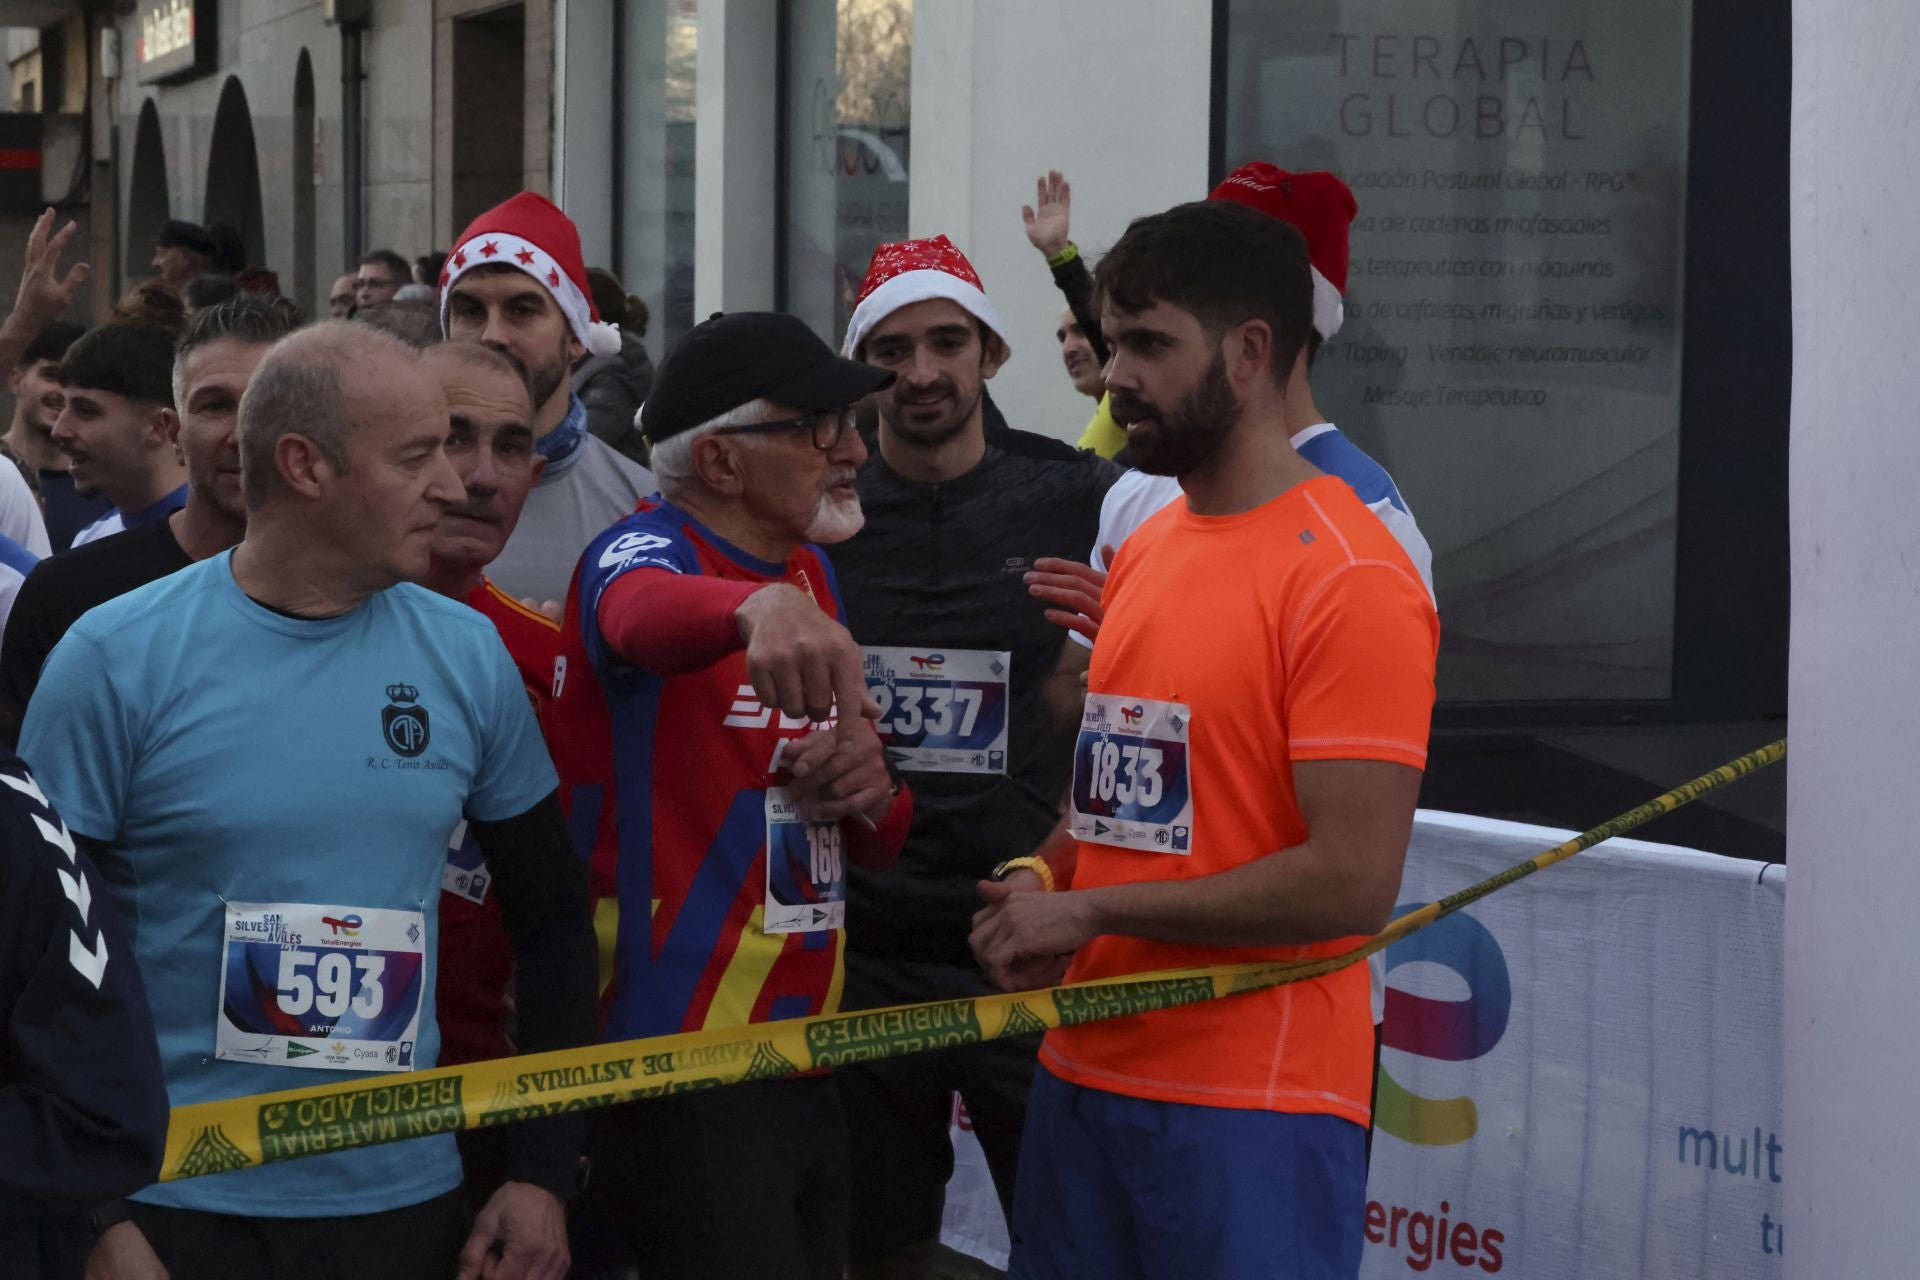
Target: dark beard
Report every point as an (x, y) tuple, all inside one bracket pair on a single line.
[(1191, 434), (544, 380)]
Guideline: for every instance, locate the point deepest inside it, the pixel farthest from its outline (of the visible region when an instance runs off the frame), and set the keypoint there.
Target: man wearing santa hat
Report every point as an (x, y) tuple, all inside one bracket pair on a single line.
[(1321, 207), (516, 282), (979, 713)]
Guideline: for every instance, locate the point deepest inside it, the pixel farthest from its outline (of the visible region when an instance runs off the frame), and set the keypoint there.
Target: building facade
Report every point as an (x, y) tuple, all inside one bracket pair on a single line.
[(317, 129), (1566, 326), (1566, 321)]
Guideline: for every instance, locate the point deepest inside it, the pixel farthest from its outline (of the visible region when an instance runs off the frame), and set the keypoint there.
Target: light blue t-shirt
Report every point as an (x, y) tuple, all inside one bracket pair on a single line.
[(232, 754)]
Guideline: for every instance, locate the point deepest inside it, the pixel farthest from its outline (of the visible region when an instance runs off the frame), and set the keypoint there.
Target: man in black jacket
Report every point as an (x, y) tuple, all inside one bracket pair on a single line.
[(83, 1107), (981, 698)]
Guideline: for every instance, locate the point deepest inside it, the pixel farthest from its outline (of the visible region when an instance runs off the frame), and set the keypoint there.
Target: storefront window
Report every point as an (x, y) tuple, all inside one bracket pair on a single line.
[(848, 76), (656, 201), (1511, 348)]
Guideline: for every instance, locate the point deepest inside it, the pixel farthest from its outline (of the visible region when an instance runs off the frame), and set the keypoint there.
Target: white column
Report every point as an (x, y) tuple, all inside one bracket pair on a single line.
[(585, 99), (1114, 93), (1852, 1157), (735, 168)]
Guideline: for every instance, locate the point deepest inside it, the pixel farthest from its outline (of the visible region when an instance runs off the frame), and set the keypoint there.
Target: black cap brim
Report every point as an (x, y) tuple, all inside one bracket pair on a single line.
[(832, 384)]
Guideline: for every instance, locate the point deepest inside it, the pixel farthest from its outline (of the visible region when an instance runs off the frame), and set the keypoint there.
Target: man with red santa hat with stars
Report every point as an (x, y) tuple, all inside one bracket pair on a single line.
[(516, 282)]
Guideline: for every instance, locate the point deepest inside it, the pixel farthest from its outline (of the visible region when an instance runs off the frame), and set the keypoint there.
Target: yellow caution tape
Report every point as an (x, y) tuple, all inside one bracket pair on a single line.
[(236, 1133)]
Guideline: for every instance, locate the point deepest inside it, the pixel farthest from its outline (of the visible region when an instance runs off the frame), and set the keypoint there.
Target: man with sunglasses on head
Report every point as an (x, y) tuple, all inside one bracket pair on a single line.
[(981, 696), (712, 731)]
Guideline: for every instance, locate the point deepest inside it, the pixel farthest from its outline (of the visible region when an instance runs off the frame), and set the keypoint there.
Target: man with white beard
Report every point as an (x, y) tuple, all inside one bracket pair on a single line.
[(715, 742)]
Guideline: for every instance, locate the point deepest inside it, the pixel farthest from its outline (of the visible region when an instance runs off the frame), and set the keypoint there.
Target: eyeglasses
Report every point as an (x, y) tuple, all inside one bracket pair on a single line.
[(827, 427)]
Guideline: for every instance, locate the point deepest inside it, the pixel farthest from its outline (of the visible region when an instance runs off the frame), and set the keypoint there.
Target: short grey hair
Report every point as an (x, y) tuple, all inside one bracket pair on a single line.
[(672, 459), (298, 389)]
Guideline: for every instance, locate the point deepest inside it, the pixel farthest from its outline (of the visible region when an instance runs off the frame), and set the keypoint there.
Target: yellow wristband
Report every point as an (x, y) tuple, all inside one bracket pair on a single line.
[(1038, 866), (1065, 256)]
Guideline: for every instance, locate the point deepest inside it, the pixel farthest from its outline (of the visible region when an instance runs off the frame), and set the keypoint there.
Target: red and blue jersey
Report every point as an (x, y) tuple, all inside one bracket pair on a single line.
[(664, 780), (476, 956)]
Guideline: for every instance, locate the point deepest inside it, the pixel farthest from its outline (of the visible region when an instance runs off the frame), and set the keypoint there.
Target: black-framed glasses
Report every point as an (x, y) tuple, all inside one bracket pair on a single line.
[(827, 427)]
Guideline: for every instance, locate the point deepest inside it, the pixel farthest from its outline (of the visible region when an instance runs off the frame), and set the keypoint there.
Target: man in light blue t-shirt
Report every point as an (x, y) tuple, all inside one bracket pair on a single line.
[(266, 753)]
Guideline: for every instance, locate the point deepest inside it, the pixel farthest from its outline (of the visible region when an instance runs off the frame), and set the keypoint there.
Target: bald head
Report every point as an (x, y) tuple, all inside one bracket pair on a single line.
[(453, 359), (322, 383)]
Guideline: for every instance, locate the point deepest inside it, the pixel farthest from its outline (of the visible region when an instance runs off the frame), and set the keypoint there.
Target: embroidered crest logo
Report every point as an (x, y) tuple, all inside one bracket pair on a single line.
[(403, 723)]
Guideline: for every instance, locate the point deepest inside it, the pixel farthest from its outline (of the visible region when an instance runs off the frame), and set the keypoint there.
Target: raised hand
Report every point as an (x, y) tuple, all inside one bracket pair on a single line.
[(1047, 218), (45, 293)]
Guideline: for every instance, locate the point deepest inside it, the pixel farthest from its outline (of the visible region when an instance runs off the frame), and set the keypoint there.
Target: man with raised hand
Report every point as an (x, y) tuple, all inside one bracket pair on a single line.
[(716, 747), (284, 883), (970, 674), (1243, 790), (212, 364), (1320, 207), (516, 282)]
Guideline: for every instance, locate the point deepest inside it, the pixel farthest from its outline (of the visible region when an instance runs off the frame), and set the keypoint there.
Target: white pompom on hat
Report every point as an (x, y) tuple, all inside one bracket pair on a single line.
[(529, 233)]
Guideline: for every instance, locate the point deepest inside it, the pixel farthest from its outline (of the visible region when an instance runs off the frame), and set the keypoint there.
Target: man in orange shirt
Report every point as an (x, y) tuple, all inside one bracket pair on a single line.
[(1243, 790)]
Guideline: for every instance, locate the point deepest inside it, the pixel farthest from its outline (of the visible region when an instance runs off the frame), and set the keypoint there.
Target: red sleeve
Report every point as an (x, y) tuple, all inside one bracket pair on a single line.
[(879, 847), (671, 623)]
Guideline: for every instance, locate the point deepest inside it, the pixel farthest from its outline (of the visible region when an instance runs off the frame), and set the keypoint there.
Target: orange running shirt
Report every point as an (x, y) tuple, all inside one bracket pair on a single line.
[(1296, 631)]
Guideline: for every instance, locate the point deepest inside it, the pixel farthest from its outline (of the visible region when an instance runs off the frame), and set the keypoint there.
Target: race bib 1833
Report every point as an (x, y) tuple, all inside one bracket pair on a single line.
[(332, 988), (942, 710), (1130, 782)]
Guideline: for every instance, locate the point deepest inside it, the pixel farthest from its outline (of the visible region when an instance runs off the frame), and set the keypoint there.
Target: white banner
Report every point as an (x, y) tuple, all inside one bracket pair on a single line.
[(1582, 1072)]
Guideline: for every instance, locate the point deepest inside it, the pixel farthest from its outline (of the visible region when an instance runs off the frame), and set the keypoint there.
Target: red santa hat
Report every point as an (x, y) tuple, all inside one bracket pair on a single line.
[(1320, 207), (530, 234), (913, 271)]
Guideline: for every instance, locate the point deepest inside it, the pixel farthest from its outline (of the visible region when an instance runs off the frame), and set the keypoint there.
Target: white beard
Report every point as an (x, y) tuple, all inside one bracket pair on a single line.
[(835, 520)]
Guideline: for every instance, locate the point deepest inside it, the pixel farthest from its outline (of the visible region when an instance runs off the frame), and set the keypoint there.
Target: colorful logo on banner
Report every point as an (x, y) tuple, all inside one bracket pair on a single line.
[(1445, 1030)]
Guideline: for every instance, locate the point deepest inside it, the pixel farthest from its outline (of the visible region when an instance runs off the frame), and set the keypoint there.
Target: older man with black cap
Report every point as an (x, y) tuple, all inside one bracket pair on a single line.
[(181, 251), (703, 667)]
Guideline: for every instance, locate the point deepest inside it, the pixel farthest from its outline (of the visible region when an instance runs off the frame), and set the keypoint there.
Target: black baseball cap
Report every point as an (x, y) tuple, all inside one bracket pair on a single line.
[(731, 360), (177, 233)]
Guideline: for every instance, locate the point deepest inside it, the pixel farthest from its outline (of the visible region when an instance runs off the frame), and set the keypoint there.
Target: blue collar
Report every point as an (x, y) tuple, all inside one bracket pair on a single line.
[(745, 559), (158, 511), (561, 443)]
